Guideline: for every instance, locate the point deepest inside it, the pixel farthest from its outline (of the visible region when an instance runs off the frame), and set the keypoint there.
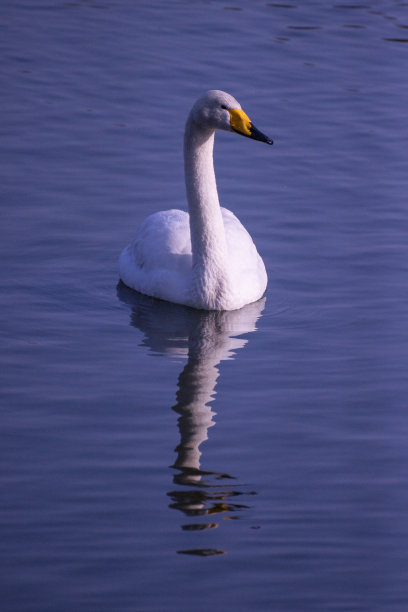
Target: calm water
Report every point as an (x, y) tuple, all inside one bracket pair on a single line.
[(159, 458)]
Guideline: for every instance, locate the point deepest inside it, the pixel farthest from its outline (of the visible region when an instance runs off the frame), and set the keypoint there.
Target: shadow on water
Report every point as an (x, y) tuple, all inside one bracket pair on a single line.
[(205, 339)]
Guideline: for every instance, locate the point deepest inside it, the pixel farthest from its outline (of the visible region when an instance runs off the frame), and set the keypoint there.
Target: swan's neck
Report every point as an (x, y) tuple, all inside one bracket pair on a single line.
[(208, 241)]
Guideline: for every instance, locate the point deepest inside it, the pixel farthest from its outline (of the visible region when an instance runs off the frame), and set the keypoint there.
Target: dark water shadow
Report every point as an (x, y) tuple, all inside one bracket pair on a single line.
[(205, 339)]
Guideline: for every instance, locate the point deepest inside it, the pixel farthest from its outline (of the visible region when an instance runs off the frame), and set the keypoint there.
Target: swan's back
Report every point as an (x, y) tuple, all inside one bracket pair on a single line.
[(159, 260)]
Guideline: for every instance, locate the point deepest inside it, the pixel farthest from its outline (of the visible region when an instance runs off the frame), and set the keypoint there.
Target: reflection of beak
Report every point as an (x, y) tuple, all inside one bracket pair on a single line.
[(241, 123)]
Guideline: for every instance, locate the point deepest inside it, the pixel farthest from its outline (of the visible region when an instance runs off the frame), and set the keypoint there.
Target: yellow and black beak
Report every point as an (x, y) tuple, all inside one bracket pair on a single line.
[(241, 123)]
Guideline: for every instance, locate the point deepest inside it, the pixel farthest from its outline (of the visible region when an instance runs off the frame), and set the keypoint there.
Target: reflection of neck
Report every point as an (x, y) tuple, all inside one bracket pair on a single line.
[(212, 339), (196, 387), (196, 390)]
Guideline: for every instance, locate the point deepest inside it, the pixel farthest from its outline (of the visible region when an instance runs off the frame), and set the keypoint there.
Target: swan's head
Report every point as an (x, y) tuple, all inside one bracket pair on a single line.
[(217, 110)]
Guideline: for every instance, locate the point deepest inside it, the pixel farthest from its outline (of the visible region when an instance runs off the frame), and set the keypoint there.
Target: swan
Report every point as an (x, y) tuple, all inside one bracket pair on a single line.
[(205, 259)]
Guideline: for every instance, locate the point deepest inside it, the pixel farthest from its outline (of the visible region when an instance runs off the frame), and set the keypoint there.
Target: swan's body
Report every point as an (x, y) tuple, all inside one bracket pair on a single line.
[(205, 258)]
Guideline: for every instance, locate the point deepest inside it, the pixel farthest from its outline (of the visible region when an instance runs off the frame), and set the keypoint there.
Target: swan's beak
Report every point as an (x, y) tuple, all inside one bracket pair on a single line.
[(241, 123), (257, 135)]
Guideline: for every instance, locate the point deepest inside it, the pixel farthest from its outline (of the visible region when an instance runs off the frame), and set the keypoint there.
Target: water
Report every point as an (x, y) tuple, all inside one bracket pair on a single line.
[(158, 458)]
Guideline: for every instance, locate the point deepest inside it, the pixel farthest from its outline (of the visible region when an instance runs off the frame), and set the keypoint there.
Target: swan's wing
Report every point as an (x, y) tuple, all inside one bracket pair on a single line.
[(241, 248), (158, 261), (161, 235), (246, 265)]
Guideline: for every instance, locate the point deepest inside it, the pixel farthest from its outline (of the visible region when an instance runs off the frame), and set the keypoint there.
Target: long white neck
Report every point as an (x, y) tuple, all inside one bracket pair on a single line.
[(208, 241)]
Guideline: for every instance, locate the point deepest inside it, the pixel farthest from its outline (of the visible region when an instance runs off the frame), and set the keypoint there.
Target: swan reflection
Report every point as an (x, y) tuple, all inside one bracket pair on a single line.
[(205, 338)]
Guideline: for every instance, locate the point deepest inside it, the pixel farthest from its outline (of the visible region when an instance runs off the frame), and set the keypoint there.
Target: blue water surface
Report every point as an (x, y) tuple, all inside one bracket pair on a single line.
[(160, 458)]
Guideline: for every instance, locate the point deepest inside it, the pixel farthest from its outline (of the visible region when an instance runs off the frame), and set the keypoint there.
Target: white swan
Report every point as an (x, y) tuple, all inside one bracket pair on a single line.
[(205, 259)]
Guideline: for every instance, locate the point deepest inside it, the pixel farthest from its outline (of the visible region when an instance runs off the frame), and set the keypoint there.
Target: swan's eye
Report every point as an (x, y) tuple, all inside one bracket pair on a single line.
[(224, 107)]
